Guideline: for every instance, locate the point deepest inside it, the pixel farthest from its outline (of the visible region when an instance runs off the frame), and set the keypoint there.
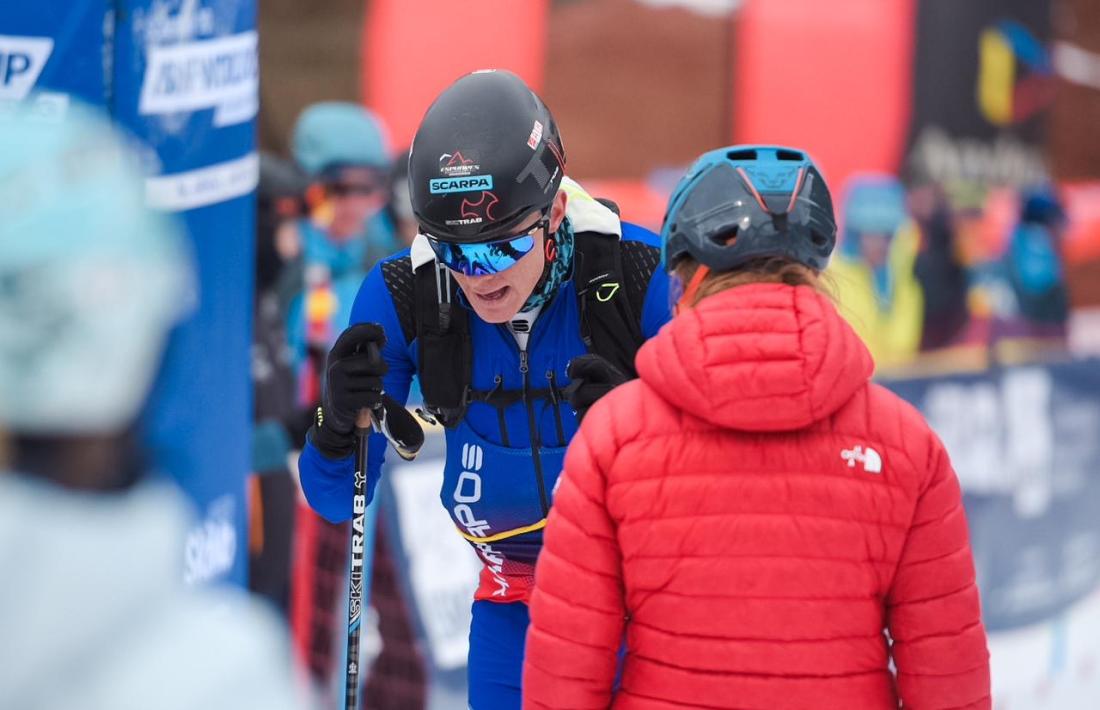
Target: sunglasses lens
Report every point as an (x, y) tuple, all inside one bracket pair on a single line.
[(485, 258)]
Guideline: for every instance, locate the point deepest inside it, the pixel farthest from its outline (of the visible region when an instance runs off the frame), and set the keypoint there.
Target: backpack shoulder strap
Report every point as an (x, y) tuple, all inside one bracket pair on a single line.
[(612, 278), (640, 261), (397, 274), (425, 301)]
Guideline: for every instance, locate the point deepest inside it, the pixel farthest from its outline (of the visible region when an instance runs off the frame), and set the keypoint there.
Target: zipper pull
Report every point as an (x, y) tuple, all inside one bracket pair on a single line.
[(523, 361)]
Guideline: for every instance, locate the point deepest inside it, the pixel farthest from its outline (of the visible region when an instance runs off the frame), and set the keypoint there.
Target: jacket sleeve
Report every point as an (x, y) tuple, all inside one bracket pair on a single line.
[(329, 484), (934, 616), (577, 607)]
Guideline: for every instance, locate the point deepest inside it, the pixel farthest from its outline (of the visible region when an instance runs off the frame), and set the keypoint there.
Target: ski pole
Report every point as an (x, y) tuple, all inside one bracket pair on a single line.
[(367, 420)]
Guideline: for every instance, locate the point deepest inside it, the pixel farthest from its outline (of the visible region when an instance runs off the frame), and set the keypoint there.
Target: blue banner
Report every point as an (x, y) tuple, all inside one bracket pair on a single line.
[(53, 51), (182, 76), (1025, 442), (186, 84)]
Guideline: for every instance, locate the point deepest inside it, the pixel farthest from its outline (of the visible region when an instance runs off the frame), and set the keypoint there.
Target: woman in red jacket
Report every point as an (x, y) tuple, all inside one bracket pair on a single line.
[(767, 527)]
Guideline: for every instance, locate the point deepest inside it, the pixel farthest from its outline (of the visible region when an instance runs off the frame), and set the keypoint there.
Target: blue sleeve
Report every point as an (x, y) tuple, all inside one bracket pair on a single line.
[(656, 310), (329, 484)]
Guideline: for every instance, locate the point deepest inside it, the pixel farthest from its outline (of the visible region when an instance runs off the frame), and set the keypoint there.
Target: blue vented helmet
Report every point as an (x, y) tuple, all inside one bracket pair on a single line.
[(746, 202)]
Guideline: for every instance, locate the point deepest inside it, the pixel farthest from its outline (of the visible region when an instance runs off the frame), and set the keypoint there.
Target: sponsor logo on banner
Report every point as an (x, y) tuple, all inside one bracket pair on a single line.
[(22, 60), (457, 165), (211, 546), (204, 186), (221, 73), (1014, 74), (1005, 160), (982, 81), (472, 183)]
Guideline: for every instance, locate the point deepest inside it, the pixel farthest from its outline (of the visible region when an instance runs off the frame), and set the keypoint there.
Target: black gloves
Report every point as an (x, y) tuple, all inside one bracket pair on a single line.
[(592, 377), (353, 382)]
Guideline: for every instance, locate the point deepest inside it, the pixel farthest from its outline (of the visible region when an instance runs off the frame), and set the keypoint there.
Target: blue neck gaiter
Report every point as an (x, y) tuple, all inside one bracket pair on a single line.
[(558, 269)]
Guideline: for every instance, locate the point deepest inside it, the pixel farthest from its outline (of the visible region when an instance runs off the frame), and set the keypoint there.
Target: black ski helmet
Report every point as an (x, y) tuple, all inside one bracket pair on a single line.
[(485, 156)]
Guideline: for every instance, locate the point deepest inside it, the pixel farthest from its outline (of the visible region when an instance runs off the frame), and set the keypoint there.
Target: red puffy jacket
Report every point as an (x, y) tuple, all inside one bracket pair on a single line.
[(757, 516)]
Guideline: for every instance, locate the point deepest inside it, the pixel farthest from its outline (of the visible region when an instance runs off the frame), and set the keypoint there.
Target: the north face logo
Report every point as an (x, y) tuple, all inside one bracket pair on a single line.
[(872, 462)]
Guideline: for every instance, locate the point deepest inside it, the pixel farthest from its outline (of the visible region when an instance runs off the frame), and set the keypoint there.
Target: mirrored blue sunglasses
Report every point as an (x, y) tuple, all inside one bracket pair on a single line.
[(486, 257)]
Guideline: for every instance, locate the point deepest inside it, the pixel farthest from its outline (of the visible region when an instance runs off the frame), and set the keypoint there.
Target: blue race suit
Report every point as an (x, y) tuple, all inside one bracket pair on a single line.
[(498, 478)]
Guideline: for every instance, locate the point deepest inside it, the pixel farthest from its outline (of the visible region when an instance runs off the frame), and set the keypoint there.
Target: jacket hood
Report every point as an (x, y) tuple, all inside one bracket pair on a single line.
[(759, 357)]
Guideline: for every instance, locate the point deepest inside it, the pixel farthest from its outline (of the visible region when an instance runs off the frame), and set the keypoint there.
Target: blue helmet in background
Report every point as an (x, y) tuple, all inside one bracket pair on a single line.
[(873, 204), (746, 202), (335, 134), (1040, 205)]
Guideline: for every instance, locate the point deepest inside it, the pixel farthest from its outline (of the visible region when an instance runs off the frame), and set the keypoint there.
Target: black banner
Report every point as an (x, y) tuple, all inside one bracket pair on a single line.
[(982, 87)]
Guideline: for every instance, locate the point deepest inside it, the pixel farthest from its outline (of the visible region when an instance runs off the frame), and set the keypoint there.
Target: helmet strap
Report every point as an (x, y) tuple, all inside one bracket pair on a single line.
[(688, 298)]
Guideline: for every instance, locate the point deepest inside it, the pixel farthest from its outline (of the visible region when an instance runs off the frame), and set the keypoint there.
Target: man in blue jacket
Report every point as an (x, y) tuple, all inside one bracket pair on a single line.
[(521, 302)]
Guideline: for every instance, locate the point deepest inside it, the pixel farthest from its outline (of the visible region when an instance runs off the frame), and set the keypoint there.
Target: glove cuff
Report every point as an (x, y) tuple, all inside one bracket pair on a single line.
[(332, 444)]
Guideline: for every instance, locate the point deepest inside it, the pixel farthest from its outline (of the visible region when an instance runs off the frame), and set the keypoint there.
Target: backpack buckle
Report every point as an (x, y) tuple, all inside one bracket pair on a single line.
[(426, 416)]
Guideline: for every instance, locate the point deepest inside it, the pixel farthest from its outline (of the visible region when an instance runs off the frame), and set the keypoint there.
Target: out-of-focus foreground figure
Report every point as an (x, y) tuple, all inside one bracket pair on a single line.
[(93, 607)]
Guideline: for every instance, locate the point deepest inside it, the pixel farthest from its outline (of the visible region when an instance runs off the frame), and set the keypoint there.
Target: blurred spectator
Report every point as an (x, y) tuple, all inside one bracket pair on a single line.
[(1022, 292), (401, 203), (93, 607), (342, 149), (277, 418), (1034, 267), (939, 269), (966, 203), (874, 269)]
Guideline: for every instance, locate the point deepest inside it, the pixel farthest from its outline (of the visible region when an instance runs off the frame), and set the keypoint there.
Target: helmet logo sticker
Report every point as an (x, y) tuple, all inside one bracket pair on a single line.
[(471, 183), (773, 179), (479, 211), (457, 165), (536, 168), (535, 137)]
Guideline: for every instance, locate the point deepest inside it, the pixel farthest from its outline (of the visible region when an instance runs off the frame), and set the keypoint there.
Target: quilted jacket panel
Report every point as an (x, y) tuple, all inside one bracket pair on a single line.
[(767, 527)]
